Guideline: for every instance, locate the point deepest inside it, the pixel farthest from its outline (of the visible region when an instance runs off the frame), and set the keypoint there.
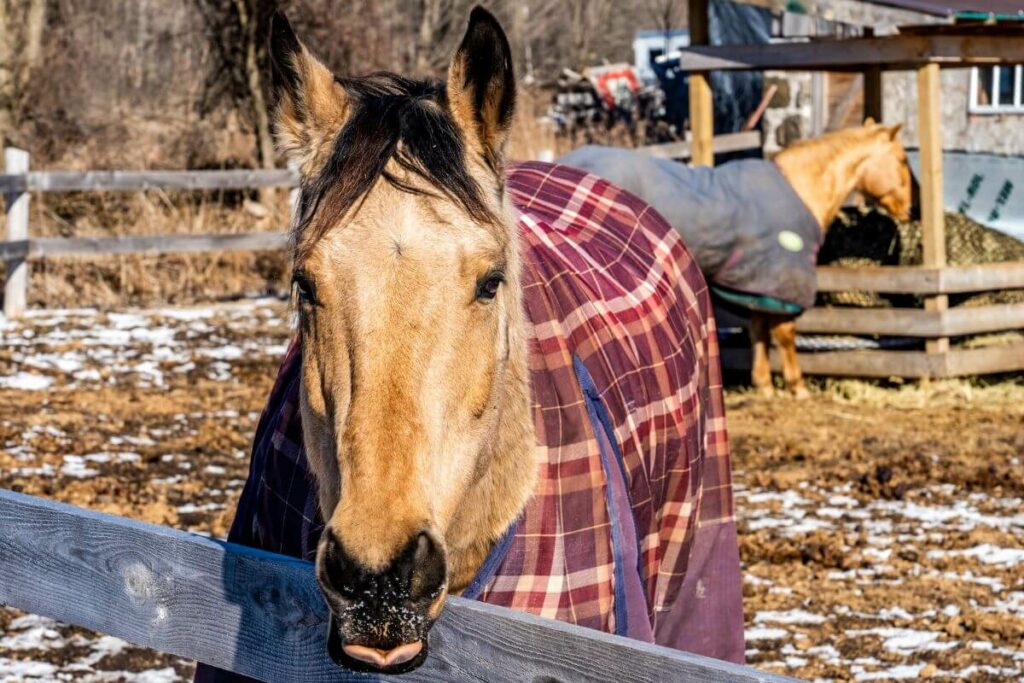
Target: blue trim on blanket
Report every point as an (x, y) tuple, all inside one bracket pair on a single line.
[(756, 302), (606, 420), (599, 419), (490, 566)]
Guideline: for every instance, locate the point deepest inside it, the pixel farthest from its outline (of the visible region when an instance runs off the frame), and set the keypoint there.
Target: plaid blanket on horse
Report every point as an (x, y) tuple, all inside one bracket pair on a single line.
[(630, 529)]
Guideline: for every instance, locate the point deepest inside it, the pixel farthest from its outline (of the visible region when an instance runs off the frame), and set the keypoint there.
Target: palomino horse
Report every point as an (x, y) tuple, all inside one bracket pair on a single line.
[(505, 381), (823, 172), (755, 226)]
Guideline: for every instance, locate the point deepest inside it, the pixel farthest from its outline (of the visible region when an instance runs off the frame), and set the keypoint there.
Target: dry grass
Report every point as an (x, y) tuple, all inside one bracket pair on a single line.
[(1005, 391), (114, 281)]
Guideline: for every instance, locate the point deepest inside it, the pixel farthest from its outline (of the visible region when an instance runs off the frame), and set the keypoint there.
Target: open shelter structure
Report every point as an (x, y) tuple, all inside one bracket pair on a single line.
[(981, 33)]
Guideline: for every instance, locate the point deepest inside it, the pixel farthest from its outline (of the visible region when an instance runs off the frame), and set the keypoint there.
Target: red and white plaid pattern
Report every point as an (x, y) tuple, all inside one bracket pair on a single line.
[(606, 279)]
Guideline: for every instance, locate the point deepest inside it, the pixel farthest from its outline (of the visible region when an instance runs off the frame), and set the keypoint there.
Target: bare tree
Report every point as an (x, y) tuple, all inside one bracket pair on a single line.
[(21, 35), (236, 31), (666, 14)]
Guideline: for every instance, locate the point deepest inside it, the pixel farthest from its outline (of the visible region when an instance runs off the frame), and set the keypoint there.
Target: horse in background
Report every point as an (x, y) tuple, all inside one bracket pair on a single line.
[(824, 172), (755, 225)]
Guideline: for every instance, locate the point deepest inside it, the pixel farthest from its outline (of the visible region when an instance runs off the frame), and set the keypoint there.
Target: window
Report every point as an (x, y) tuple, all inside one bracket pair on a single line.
[(996, 90)]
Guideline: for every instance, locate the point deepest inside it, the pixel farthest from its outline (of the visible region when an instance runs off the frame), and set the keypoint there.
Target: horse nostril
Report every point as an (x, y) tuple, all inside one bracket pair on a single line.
[(428, 569), (336, 570)]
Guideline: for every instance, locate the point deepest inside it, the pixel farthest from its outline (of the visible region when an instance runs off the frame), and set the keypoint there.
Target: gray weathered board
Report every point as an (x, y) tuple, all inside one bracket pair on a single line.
[(75, 181), (261, 614), (156, 244)]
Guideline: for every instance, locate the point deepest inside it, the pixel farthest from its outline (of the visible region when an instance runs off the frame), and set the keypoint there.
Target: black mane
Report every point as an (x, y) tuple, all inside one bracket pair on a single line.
[(391, 117)]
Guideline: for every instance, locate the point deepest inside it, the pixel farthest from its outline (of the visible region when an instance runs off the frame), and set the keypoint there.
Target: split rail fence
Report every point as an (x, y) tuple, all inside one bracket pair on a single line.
[(262, 615), (935, 323)]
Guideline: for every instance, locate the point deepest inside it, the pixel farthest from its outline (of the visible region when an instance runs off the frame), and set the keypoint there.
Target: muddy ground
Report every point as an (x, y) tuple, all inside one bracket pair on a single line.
[(881, 529)]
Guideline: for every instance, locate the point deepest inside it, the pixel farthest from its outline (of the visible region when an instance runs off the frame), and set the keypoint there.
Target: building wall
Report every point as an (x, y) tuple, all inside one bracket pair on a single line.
[(993, 133), (788, 115)]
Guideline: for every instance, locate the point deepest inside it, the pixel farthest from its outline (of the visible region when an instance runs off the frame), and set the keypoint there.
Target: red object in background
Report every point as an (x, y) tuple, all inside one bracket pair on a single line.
[(617, 84)]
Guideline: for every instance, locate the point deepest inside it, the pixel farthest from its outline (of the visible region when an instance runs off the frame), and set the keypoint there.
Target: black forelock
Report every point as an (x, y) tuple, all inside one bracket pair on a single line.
[(390, 118)]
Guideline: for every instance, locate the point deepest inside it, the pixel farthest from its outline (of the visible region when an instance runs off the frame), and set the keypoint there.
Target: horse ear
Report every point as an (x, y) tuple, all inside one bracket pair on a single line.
[(868, 122), (482, 87), (310, 102), (894, 132)]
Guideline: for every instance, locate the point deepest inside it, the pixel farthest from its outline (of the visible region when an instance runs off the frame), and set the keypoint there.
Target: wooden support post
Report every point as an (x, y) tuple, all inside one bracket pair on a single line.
[(873, 93), (701, 112), (16, 269), (872, 88), (933, 228)]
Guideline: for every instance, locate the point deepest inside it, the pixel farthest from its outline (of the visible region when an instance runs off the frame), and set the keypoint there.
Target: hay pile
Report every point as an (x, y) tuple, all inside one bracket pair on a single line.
[(869, 237)]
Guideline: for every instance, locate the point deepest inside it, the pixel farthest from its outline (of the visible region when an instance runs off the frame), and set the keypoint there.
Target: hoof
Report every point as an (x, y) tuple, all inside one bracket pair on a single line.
[(767, 391), (800, 392)]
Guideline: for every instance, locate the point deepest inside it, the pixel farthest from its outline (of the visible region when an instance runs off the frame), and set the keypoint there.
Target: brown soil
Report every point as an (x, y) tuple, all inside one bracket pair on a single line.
[(922, 465), (869, 518)]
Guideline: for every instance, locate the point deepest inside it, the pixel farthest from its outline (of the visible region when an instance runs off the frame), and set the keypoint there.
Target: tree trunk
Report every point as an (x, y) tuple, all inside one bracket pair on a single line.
[(21, 39), (261, 116)]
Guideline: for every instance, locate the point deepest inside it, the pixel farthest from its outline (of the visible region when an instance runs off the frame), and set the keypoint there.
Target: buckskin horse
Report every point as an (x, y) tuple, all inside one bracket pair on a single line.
[(755, 226), (504, 383)]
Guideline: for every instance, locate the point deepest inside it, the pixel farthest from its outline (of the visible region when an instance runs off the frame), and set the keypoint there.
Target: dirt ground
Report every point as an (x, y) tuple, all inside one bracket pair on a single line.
[(881, 529)]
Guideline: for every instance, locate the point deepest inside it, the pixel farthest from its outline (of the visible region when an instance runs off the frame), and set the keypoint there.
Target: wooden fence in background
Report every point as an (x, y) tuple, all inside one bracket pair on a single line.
[(262, 615), (933, 283)]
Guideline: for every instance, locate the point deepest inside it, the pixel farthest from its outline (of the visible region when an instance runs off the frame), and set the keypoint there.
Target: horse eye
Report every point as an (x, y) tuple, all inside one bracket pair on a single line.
[(487, 288), (304, 288)]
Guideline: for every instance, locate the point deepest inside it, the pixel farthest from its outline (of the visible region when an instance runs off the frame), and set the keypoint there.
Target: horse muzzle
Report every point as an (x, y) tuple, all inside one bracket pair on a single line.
[(386, 660), (380, 619)]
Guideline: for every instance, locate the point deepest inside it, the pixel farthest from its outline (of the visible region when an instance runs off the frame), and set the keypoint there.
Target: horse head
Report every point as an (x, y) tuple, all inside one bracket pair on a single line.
[(884, 175), (414, 398)]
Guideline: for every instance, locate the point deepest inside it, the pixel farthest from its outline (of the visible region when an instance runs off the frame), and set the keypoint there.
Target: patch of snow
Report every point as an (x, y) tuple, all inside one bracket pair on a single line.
[(905, 640), (222, 353), (14, 671), (74, 466), (901, 672), (762, 633), (794, 616), (26, 382)]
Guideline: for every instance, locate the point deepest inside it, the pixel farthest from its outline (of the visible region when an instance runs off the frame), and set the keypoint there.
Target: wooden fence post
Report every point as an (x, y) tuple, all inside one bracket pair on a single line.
[(872, 87), (701, 114), (933, 228), (16, 269)]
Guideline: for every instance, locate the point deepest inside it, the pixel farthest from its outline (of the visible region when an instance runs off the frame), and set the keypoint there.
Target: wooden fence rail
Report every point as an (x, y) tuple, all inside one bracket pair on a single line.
[(922, 279), (80, 181), (262, 615)]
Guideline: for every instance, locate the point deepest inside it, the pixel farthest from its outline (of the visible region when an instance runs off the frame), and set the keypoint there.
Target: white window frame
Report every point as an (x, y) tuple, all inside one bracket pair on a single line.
[(997, 107)]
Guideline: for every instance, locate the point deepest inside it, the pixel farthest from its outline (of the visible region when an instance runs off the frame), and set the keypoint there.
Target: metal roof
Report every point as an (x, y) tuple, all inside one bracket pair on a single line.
[(1002, 9)]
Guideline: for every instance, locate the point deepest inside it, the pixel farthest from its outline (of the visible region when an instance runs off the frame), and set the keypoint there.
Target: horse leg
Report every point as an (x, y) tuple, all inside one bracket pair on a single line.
[(761, 372), (784, 333)]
